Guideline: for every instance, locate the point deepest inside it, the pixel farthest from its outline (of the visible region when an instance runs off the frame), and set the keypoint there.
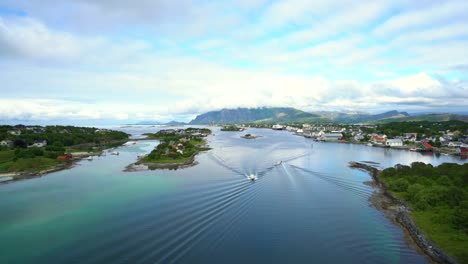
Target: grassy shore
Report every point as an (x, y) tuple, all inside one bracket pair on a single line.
[(438, 198)]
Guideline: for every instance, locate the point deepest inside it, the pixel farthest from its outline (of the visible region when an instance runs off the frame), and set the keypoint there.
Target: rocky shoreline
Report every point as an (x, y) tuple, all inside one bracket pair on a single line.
[(398, 212)]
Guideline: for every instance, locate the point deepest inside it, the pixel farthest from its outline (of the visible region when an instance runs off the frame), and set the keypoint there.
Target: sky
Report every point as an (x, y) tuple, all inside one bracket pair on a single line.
[(124, 61)]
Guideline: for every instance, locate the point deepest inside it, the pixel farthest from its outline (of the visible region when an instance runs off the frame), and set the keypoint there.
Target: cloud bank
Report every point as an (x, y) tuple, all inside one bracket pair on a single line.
[(122, 61)]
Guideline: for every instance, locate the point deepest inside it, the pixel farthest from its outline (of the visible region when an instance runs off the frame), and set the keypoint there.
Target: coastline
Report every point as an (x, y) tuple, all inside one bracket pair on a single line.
[(25, 175), (442, 150), (399, 213)]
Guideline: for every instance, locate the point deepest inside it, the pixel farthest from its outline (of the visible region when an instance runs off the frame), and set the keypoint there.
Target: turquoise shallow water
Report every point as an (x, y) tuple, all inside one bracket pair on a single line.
[(310, 208)]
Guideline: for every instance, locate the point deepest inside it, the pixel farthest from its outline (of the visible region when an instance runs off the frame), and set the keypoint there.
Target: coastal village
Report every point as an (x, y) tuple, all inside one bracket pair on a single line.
[(447, 141)]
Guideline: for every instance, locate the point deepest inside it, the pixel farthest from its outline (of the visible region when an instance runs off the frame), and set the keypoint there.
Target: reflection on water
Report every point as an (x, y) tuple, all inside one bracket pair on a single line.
[(306, 206)]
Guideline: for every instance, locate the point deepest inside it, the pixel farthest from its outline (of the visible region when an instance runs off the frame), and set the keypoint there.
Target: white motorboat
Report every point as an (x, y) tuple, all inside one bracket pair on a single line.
[(89, 158), (252, 177), (115, 153)]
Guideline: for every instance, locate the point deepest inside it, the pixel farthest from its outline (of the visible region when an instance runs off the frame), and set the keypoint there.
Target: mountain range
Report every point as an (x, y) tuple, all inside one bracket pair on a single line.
[(289, 114)]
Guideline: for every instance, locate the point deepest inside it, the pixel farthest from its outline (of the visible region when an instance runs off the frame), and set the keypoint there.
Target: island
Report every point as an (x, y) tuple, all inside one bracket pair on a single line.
[(430, 203), (177, 148), (29, 151), (249, 136)]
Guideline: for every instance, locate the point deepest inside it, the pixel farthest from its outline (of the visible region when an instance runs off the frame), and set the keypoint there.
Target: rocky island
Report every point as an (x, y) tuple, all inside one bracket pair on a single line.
[(249, 136)]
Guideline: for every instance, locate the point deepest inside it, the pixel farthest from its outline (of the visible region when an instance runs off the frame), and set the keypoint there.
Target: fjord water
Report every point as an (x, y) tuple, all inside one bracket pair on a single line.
[(310, 208)]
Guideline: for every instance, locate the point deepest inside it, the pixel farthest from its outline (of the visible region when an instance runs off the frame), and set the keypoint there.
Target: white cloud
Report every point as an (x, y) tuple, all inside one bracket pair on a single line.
[(29, 38), (236, 88), (443, 11)]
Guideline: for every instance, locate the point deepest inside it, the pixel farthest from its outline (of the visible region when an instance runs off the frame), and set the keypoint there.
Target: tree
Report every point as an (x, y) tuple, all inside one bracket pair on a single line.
[(20, 143)]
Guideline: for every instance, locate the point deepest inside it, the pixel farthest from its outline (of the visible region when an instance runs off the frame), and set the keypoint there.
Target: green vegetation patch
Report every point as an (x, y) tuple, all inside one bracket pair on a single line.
[(20, 156), (231, 128), (438, 197)]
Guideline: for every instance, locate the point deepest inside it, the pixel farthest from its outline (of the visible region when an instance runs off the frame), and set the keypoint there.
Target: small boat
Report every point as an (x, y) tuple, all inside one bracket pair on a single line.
[(115, 153), (279, 162), (412, 149), (89, 158), (369, 144), (252, 177)]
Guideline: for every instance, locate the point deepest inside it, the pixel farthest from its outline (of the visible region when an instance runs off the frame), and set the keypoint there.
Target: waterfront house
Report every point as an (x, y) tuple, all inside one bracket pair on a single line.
[(376, 139), (65, 157), (426, 146), (277, 127), (331, 136), (457, 144), (462, 151), (394, 142)]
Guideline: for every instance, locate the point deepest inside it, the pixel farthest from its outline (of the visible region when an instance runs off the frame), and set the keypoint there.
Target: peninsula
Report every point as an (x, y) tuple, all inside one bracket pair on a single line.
[(29, 151)]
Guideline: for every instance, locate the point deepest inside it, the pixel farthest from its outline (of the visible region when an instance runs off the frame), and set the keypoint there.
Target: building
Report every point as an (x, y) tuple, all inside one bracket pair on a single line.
[(277, 127), (65, 157), (395, 142), (331, 136), (462, 151), (39, 143), (14, 132), (426, 146), (455, 144), (378, 139), (6, 143)]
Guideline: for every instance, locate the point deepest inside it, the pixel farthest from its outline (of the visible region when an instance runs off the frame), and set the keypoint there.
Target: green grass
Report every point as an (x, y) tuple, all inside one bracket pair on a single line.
[(6, 155), (178, 160), (434, 225), (30, 164)]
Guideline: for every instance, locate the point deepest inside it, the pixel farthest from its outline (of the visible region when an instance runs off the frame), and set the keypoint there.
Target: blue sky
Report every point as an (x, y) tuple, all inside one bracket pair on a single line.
[(123, 61)]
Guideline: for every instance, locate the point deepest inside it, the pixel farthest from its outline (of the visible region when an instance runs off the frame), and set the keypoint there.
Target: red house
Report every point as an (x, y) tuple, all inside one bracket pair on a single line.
[(462, 151), (65, 157), (426, 145)]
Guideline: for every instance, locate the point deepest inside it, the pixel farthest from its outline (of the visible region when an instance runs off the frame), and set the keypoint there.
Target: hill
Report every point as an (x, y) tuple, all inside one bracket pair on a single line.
[(290, 115), (361, 117), (255, 115), (430, 118)]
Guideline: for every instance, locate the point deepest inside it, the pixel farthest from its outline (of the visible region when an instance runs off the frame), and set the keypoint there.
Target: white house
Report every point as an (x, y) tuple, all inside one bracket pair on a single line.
[(395, 142), (39, 143), (455, 144), (6, 143), (14, 132)]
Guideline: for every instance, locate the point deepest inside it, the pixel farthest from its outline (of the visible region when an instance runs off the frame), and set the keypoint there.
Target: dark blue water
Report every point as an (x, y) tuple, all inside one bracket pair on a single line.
[(311, 208)]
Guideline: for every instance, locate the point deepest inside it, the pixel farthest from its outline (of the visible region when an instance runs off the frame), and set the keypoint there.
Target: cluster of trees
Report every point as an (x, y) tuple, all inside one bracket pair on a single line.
[(442, 189), (59, 138), (168, 146), (421, 127)]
